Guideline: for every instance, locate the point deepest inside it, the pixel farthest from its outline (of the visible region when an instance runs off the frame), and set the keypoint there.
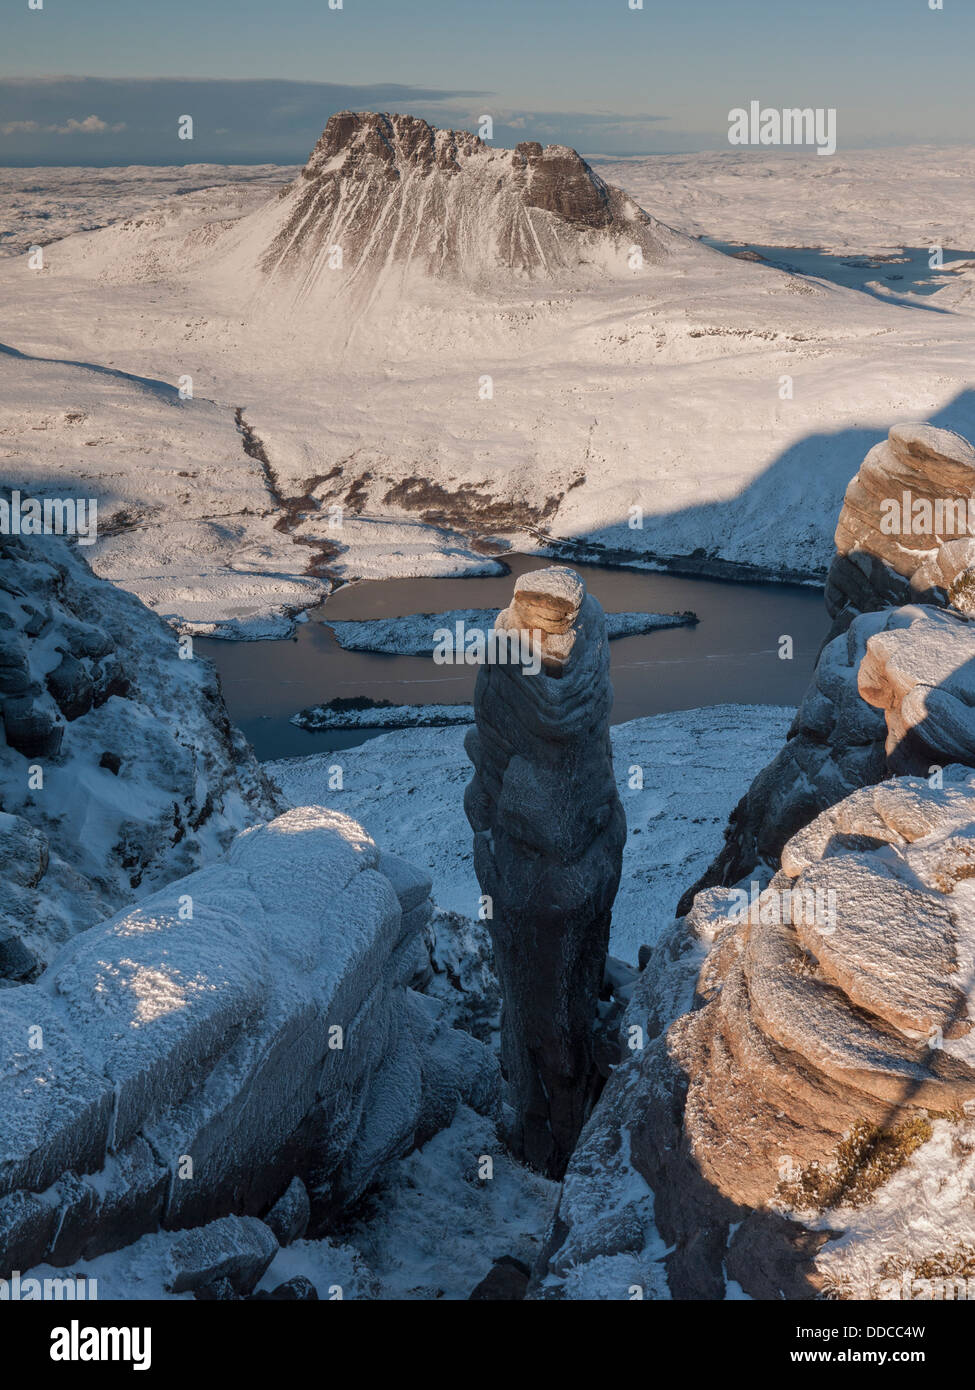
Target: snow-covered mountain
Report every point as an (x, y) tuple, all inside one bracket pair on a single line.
[(387, 208), (393, 194)]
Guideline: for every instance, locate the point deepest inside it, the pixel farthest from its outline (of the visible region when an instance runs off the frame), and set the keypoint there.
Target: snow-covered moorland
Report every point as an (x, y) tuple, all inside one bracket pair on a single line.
[(858, 201), (670, 401)]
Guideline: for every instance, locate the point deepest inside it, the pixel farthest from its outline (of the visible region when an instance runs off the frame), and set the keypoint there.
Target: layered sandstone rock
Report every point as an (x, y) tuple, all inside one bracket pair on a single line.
[(548, 836), (830, 1025), (920, 670), (898, 539), (837, 742)]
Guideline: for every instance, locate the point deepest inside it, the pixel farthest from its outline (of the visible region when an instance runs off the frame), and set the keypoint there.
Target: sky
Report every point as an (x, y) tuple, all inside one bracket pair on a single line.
[(107, 81)]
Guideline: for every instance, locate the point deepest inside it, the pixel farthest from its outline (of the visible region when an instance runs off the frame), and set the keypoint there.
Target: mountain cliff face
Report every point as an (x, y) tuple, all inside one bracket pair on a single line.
[(119, 767)]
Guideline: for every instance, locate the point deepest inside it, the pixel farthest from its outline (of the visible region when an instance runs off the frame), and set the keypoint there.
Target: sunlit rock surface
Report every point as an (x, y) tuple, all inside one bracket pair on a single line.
[(819, 1033), (898, 539)]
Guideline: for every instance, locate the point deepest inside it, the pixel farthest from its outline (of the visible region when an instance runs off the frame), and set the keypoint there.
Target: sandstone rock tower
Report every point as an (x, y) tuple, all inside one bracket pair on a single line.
[(548, 841)]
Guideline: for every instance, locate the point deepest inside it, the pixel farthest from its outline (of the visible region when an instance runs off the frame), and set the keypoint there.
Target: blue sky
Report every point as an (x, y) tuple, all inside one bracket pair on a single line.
[(105, 81)]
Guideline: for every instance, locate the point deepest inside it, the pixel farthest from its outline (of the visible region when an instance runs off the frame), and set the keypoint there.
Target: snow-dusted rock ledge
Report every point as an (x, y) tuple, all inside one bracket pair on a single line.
[(253, 1021), (376, 715)]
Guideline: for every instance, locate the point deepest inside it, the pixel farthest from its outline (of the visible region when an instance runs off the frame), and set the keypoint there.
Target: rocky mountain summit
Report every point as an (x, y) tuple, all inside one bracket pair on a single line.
[(390, 190)]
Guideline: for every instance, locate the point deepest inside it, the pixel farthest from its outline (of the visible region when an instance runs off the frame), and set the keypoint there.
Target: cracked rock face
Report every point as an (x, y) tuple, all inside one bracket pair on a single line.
[(804, 1027), (548, 837)]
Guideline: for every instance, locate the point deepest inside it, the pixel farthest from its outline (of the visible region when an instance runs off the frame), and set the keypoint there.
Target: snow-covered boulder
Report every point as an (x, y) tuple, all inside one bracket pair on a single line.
[(119, 768), (252, 1022), (826, 1031), (233, 1249)]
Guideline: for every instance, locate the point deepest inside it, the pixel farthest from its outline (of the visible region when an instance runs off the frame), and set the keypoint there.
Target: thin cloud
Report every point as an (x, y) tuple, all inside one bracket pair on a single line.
[(90, 125)]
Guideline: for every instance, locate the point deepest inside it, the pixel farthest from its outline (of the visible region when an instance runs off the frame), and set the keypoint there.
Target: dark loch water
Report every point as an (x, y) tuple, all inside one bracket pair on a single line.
[(731, 656), (909, 273)]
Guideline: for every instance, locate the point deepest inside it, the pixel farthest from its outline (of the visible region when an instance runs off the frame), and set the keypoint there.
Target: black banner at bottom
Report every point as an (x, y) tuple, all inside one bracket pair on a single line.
[(173, 1337)]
